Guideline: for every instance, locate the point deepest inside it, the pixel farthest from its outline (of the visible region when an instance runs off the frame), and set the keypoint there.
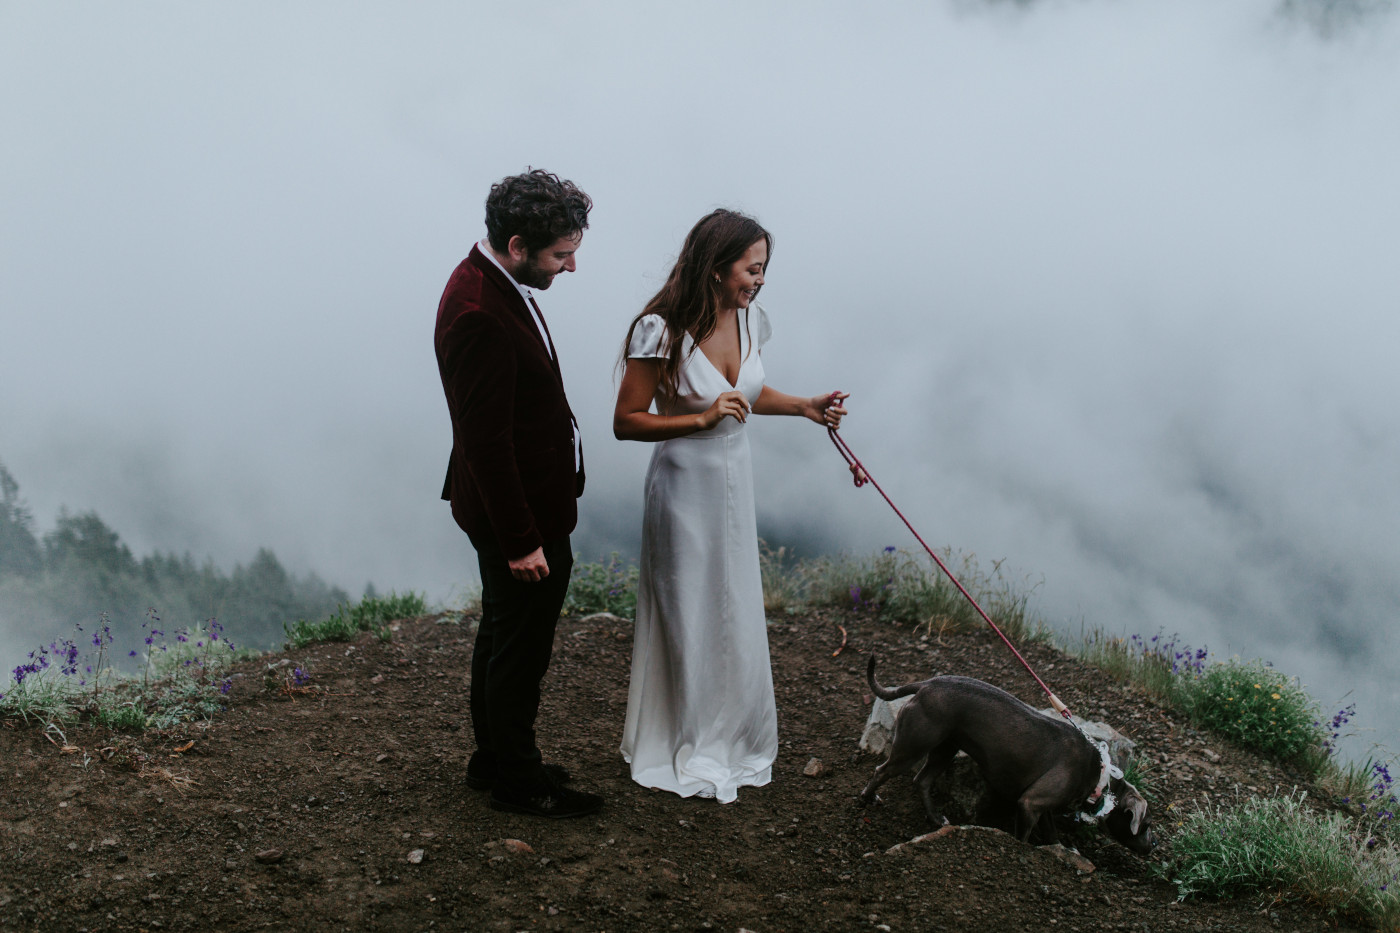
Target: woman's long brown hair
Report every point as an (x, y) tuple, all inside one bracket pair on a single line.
[(689, 302)]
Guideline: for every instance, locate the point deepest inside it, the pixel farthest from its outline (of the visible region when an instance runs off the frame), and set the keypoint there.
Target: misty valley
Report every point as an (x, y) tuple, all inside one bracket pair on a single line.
[(80, 571)]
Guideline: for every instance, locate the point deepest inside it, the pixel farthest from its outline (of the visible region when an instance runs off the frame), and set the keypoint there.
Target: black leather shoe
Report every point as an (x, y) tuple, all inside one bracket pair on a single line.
[(482, 781), (551, 801)]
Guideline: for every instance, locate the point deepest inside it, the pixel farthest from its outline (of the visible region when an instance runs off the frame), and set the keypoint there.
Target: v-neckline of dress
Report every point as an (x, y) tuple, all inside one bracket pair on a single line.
[(719, 372)]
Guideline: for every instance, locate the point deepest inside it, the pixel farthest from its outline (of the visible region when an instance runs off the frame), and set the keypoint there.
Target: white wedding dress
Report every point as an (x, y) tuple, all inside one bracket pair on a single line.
[(701, 718)]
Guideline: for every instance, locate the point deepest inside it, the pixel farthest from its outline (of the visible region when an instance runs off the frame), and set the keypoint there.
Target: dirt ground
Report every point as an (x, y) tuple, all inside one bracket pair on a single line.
[(307, 810)]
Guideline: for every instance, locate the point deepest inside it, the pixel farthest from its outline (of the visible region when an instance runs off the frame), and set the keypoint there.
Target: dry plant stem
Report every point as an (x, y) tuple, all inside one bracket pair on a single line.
[(178, 781), (842, 646)]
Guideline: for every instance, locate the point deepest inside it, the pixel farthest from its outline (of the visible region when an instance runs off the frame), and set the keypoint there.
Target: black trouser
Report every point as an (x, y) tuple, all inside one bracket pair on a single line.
[(510, 657)]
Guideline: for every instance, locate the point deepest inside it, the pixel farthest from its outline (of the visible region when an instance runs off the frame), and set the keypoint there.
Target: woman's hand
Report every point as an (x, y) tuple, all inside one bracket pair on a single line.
[(732, 404), (826, 410)]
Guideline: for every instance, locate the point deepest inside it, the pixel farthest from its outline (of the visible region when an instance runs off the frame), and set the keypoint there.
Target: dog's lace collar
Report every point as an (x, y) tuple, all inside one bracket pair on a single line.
[(1101, 797)]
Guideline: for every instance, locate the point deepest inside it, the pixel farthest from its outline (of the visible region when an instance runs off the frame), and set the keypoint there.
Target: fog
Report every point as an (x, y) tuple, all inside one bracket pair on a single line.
[(1112, 284)]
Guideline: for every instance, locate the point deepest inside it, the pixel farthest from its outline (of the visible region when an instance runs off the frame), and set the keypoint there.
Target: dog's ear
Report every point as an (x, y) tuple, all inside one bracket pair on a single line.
[(1133, 802)]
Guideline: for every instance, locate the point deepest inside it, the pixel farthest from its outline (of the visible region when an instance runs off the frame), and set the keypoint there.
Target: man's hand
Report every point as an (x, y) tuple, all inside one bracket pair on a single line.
[(532, 568)]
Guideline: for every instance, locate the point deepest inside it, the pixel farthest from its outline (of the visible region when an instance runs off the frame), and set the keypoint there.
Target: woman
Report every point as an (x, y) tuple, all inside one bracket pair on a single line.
[(701, 719)]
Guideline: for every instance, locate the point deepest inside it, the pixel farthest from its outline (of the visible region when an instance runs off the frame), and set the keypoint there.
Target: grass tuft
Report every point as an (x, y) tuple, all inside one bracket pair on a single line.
[(371, 614), (786, 579), (1281, 848), (906, 589)]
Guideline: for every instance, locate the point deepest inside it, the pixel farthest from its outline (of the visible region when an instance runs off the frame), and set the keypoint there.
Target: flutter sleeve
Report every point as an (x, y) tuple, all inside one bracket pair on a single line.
[(648, 338), (762, 329)]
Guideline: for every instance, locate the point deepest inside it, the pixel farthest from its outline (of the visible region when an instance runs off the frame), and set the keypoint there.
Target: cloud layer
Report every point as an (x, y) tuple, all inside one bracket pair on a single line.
[(1112, 284)]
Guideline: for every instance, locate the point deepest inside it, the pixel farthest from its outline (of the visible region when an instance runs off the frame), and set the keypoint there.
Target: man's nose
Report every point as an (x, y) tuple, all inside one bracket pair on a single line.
[(570, 265)]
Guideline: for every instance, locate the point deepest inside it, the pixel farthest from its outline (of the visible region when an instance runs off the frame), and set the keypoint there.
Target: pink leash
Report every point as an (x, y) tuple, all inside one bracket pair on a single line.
[(863, 476)]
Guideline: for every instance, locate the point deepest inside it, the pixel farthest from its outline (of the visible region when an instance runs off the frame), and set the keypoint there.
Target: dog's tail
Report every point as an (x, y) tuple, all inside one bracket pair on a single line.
[(886, 693)]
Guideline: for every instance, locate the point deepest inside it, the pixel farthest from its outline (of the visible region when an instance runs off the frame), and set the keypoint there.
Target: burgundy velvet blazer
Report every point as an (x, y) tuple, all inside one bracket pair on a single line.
[(511, 476)]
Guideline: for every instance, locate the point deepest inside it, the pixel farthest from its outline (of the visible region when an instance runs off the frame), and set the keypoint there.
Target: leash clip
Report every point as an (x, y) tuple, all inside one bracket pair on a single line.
[(858, 473)]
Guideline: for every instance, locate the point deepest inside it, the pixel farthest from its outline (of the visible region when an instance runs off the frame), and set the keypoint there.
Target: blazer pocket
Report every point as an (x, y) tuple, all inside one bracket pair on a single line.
[(537, 461)]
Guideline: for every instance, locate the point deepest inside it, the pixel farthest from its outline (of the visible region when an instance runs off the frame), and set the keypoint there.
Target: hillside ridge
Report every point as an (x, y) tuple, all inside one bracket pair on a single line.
[(335, 800)]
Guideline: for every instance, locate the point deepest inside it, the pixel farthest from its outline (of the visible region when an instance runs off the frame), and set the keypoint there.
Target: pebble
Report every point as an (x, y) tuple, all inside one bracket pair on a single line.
[(814, 768), (415, 857)]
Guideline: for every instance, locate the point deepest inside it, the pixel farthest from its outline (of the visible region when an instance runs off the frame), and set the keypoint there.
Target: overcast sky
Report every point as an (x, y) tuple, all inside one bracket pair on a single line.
[(1113, 283)]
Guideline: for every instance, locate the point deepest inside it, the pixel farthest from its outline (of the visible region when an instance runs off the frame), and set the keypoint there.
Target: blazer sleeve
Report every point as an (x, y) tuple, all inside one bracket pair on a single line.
[(480, 373)]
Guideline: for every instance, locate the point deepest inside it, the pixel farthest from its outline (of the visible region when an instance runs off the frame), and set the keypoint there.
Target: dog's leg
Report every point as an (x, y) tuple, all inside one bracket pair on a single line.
[(938, 761), (1039, 799), (1026, 817), (903, 756)]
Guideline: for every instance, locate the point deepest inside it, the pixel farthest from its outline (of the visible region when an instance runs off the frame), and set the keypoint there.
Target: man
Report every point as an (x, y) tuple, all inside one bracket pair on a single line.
[(515, 475)]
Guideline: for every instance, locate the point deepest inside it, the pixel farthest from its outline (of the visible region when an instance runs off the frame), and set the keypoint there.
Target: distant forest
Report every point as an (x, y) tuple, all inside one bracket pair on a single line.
[(80, 569)]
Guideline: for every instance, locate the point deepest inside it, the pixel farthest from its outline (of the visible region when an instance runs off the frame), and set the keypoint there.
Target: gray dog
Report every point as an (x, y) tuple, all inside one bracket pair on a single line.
[(1044, 765)]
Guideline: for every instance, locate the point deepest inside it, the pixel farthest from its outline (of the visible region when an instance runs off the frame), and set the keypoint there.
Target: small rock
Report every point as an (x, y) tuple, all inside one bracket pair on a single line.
[(1211, 756), (517, 846), (1069, 857), (879, 727), (381, 758), (270, 856), (377, 679), (814, 768), (605, 617), (230, 864), (107, 843), (1121, 749), (415, 857)]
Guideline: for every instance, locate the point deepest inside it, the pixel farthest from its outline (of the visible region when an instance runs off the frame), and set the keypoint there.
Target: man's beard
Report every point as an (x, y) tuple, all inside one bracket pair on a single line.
[(532, 276)]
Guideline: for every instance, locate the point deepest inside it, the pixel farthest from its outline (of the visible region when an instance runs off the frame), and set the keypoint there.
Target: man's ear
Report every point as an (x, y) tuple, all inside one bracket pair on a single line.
[(517, 250)]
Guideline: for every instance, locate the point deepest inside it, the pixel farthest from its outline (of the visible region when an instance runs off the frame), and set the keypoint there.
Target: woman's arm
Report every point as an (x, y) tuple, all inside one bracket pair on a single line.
[(633, 420), (825, 410)]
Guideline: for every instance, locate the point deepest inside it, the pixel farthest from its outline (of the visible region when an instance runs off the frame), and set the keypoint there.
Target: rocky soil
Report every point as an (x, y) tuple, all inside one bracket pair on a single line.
[(340, 805)]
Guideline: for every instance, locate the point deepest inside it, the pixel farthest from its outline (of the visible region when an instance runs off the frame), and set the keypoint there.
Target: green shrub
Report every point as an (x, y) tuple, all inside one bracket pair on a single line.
[(1256, 707), (603, 586), (1278, 848)]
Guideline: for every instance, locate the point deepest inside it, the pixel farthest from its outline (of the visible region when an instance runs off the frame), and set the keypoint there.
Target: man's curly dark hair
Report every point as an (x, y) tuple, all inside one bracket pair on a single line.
[(536, 206)]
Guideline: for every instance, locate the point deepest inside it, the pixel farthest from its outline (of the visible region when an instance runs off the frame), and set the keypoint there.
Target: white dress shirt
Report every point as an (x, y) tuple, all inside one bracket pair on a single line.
[(533, 307)]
